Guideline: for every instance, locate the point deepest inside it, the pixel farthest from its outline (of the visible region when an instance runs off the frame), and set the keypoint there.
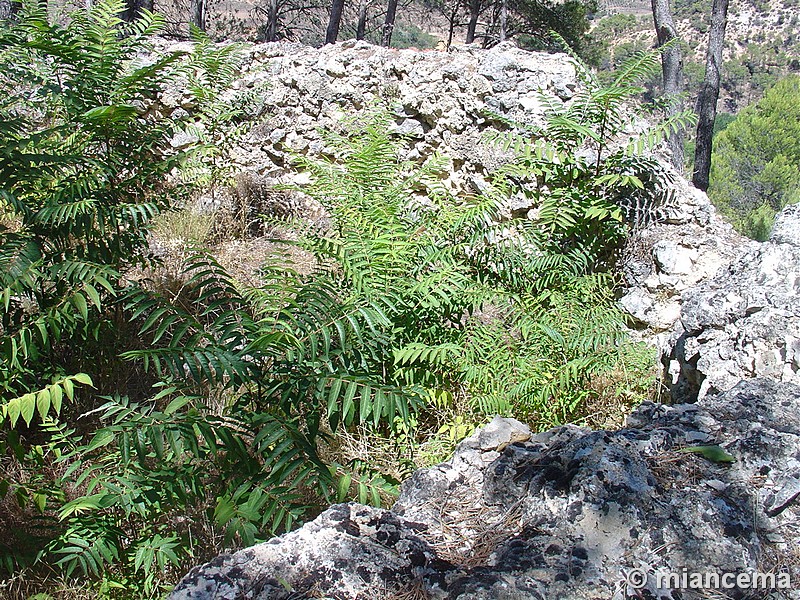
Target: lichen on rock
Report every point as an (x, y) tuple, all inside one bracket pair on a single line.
[(564, 514)]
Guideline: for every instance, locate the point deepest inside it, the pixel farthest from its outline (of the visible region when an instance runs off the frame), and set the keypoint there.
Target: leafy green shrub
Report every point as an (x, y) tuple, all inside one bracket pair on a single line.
[(536, 21), (517, 315), (157, 425), (410, 36), (87, 162), (82, 171)]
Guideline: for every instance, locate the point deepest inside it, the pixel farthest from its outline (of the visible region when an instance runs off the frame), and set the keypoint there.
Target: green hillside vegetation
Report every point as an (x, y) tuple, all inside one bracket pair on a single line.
[(155, 414), (755, 169), (755, 60)]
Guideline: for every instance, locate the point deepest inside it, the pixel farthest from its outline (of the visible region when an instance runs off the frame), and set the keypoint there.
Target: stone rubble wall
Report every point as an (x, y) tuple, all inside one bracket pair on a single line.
[(441, 102)]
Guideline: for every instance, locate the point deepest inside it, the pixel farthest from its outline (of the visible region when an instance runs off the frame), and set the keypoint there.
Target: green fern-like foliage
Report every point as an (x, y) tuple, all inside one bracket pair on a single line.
[(204, 407), (86, 161), (85, 166), (590, 171), (156, 426), (502, 312)]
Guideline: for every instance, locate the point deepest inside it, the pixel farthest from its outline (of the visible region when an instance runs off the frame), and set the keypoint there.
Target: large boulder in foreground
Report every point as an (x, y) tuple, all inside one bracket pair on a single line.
[(744, 322), (565, 514)]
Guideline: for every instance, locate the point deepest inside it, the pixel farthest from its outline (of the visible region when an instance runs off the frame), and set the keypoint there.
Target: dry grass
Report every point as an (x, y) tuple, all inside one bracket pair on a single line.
[(241, 227), (414, 590), (244, 258), (189, 226), (365, 454), (25, 585), (616, 393), (607, 411), (466, 532), (8, 221)]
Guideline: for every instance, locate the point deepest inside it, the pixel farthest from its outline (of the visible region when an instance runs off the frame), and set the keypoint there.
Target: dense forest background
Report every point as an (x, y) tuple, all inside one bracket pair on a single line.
[(157, 411)]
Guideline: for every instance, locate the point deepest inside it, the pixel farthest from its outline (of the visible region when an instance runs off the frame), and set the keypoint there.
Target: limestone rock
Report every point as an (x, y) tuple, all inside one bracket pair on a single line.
[(742, 323), (442, 102), (689, 244), (787, 226), (348, 551), (566, 514)]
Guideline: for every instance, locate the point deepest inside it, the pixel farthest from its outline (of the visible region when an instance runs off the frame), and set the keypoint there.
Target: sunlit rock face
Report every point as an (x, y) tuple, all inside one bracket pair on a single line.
[(720, 307), (565, 514), (742, 323), (441, 103), (663, 260)]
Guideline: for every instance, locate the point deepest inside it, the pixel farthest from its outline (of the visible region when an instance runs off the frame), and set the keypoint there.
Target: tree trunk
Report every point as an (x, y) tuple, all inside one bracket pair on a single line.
[(709, 93), (361, 29), (491, 35), (271, 33), (474, 13), (672, 71), (337, 7), (133, 8), (503, 20), (388, 25), (197, 9), (452, 22)]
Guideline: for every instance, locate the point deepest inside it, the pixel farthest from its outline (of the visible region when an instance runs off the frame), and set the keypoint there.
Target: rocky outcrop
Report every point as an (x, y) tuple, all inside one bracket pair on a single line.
[(742, 323), (349, 551), (440, 102), (566, 514), (720, 307), (691, 244)]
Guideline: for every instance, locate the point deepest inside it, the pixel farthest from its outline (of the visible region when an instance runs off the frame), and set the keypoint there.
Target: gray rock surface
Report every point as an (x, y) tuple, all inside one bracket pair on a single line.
[(661, 261), (787, 226), (349, 551), (565, 514), (442, 102), (742, 323)]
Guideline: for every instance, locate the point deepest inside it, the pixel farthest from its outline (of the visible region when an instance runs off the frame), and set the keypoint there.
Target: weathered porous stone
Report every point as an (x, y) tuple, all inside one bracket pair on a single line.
[(566, 514), (787, 226), (441, 102), (690, 244), (742, 323), (349, 551)]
